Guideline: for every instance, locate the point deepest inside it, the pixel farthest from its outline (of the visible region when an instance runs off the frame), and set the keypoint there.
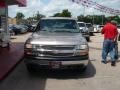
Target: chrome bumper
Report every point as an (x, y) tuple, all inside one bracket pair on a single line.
[(62, 62), (84, 62)]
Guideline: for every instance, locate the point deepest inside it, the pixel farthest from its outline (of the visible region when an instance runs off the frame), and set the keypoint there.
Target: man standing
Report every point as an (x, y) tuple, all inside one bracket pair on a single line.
[(110, 36)]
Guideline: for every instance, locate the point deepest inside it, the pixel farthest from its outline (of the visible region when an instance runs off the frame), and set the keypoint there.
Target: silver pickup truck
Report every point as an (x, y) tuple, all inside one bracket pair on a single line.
[(56, 44)]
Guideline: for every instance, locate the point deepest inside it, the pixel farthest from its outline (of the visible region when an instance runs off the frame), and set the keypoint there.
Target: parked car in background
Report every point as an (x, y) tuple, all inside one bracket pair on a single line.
[(15, 29), (90, 28), (24, 28), (118, 28), (56, 44), (30, 27), (96, 28), (18, 29), (100, 27), (33, 27), (10, 30), (84, 30), (12, 33)]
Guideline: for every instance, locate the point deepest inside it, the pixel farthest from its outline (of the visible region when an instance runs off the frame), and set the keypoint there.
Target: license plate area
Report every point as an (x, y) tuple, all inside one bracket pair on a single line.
[(55, 64)]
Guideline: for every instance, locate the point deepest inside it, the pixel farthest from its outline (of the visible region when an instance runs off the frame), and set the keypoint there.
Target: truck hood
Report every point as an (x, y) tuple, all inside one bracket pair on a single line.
[(47, 38)]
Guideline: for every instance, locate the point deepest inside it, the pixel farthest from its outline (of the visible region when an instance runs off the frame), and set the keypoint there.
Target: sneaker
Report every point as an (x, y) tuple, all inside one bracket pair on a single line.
[(104, 62), (113, 63)]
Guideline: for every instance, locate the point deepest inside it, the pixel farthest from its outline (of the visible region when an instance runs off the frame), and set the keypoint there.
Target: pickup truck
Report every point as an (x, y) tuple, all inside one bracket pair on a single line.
[(56, 44)]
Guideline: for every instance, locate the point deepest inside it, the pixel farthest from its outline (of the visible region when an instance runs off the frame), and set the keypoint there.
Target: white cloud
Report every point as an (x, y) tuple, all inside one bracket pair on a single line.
[(32, 7), (55, 6)]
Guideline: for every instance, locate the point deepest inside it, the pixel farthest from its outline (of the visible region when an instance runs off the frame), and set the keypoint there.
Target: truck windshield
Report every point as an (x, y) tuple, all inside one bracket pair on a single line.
[(58, 25)]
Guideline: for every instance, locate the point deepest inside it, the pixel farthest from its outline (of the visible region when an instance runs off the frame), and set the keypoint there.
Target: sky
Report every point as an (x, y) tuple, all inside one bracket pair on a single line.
[(50, 7)]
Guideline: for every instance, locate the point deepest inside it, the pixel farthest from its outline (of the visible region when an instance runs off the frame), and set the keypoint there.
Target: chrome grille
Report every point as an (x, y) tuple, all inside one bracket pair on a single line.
[(56, 47), (55, 50)]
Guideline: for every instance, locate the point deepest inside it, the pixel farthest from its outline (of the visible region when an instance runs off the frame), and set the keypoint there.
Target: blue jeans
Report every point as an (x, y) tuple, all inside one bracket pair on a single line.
[(108, 47)]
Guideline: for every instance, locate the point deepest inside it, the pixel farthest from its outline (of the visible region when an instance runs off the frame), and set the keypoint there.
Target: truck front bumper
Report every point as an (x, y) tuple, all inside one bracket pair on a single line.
[(57, 63)]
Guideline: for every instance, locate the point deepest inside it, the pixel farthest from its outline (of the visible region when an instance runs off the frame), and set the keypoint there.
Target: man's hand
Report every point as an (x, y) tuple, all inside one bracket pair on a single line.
[(115, 39)]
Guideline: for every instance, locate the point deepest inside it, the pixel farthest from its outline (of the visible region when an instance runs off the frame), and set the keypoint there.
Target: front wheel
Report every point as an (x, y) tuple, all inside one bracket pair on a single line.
[(8, 46), (30, 68), (84, 68), (91, 34), (88, 39)]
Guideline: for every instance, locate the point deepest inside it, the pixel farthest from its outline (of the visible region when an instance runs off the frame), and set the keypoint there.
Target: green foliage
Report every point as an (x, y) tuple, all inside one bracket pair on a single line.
[(116, 18), (38, 16), (94, 19), (64, 13), (35, 18), (57, 15), (20, 15), (97, 19)]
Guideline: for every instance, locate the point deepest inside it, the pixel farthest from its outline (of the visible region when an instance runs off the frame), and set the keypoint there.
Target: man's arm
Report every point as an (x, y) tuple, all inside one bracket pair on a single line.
[(116, 35)]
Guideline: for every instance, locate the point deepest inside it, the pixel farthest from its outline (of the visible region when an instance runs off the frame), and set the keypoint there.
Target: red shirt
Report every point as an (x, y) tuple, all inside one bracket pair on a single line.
[(109, 31)]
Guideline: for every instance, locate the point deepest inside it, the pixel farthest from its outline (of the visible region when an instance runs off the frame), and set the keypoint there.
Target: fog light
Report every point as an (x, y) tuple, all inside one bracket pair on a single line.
[(28, 53), (81, 52), (28, 45)]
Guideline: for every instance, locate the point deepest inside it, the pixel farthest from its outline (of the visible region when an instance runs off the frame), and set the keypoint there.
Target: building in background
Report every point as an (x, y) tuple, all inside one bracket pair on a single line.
[(4, 31), (12, 21)]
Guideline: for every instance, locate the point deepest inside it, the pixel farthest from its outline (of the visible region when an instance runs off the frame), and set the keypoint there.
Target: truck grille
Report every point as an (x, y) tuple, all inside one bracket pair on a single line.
[(56, 47), (55, 50)]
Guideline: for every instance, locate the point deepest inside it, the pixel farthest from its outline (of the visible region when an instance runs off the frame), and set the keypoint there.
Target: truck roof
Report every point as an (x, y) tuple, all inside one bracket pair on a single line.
[(59, 18)]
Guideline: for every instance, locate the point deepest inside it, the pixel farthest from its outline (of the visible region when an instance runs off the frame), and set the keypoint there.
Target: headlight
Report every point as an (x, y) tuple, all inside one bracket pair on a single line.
[(81, 50), (28, 46), (81, 30), (81, 47), (87, 29)]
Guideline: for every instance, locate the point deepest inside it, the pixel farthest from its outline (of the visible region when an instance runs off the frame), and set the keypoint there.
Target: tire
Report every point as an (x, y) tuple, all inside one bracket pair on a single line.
[(8, 46), (91, 34), (30, 68), (84, 68), (88, 39), (16, 33)]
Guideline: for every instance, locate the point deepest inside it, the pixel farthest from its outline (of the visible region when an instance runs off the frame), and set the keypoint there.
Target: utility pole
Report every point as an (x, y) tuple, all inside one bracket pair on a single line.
[(83, 12), (93, 18), (102, 19)]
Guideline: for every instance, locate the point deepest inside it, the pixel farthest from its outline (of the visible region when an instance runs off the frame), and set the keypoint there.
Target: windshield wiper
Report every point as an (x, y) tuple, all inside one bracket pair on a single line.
[(62, 31)]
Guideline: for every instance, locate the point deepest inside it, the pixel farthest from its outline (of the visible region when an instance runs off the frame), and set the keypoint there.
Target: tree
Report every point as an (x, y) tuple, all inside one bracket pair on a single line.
[(94, 19), (81, 18), (57, 15), (116, 18), (35, 18), (19, 17), (38, 16), (64, 13)]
